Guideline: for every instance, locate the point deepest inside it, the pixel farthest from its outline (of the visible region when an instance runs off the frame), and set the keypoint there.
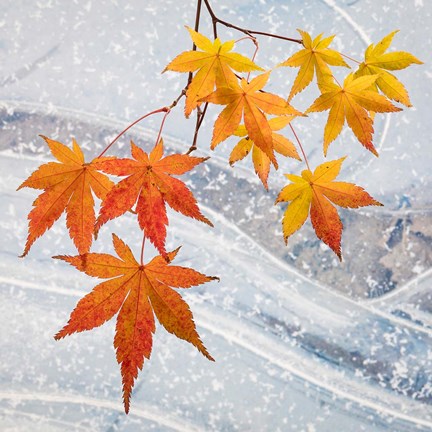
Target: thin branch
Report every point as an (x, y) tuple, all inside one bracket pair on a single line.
[(300, 145), (199, 120), (197, 21), (214, 23), (248, 32)]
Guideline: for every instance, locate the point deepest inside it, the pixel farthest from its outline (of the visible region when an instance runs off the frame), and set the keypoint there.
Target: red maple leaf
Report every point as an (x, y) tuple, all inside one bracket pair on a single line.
[(136, 291), (150, 183)]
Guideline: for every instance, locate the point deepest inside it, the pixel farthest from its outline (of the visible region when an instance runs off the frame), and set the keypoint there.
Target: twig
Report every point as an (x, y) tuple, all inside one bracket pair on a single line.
[(199, 120), (248, 32), (197, 21)]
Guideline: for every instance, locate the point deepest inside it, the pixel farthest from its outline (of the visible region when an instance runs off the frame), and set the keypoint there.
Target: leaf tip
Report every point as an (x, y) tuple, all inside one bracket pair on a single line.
[(44, 137), (207, 221), (26, 249), (60, 257), (58, 336), (115, 237), (23, 184), (126, 404)]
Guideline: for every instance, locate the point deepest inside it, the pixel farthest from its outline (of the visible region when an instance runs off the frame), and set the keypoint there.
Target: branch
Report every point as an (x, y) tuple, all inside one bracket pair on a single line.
[(248, 32), (199, 120), (197, 21)]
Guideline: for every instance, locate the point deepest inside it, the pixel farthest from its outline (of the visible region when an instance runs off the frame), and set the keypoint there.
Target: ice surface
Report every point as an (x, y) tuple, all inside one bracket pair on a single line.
[(302, 342)]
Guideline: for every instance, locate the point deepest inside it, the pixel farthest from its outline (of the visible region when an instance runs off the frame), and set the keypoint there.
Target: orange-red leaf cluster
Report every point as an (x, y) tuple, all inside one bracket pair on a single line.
[(138, 292)]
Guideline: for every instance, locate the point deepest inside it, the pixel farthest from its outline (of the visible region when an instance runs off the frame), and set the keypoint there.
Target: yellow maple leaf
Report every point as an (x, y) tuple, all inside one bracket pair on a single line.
[(351, 102), (377, 61), (214, 65), (316, 56), (313, 194), (261, 162)]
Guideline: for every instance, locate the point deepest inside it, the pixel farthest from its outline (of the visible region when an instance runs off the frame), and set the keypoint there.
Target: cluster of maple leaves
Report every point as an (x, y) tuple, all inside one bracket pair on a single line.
[(356, 101), (138, 291)]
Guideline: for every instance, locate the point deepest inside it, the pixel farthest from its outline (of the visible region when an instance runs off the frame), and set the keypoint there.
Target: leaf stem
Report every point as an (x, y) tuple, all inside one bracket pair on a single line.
[(349, 58), (142, 250), (300, 145), (162, 125), (254, 40), (164, 109)]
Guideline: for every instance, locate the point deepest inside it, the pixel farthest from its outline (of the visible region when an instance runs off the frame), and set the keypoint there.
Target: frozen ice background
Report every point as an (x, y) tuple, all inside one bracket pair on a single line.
[(301, 341)]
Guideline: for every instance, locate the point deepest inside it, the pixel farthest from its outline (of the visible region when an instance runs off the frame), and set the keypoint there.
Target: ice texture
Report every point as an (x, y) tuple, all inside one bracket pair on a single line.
[(301, 341)]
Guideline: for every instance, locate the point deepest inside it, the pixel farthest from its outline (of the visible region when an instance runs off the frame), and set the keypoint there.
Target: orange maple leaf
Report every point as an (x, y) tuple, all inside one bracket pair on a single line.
[(136, 290), (313, 193), (351, 102), (214, 65), (316, 56), (261, 162), (246, 100), (378, 62), (150, 182), (67, 186)]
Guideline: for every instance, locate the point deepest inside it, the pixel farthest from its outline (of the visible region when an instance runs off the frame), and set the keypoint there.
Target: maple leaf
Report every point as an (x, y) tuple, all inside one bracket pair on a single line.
[(67, 186), (150, 182), (314, 193), (316, 56), (247, 100), (214, 65), (137, 292), (281, 145), (351, 102), (378, 62)]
